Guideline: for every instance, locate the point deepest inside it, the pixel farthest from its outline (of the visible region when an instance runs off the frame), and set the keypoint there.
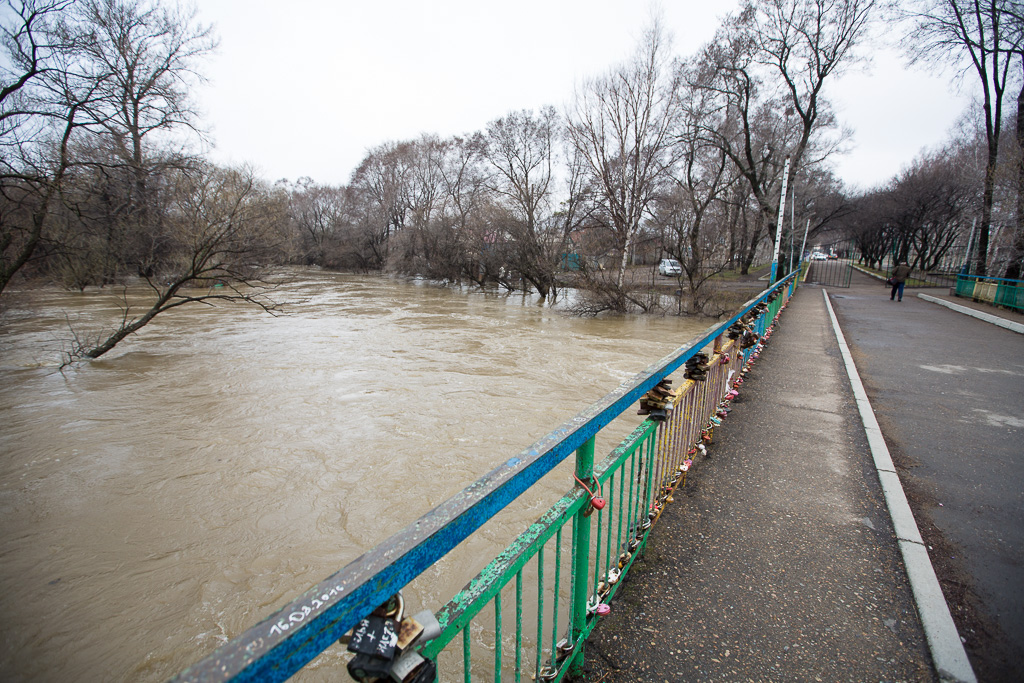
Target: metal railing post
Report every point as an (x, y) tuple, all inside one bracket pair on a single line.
[(581, 560)]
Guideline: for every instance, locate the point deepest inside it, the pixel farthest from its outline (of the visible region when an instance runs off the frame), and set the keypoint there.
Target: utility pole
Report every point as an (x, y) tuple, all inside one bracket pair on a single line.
[(792, 229), (804, 245), (778, 230)]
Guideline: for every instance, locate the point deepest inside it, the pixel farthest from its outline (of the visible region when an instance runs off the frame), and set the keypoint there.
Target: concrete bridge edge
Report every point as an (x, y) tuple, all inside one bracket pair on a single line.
[(947, 650)]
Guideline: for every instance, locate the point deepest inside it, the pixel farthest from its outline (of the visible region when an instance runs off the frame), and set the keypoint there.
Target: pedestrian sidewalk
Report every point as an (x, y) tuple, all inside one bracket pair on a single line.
[(778, 560)]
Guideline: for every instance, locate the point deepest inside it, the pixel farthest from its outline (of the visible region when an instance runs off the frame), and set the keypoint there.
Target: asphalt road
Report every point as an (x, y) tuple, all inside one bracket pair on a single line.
[(948, 392)]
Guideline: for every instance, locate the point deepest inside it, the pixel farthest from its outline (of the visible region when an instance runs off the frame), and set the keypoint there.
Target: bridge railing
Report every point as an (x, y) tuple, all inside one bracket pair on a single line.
[(560, 575), (995, 290)]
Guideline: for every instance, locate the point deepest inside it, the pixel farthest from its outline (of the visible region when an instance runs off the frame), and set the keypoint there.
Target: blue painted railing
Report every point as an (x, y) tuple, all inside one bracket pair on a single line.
[(284, 642)]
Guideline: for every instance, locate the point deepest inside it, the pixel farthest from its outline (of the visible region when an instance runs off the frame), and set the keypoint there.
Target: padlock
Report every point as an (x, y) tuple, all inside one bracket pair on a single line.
[(564, 648), (598, 502), (603, 610), (431, 626), (422, 626), (375, 636), (368, 668), (412, 667), (547, 673), (408, 631), (392, 608), (613, 575)]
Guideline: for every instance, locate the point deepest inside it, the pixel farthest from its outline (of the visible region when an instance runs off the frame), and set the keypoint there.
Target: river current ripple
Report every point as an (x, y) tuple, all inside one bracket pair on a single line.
[(165, 497)]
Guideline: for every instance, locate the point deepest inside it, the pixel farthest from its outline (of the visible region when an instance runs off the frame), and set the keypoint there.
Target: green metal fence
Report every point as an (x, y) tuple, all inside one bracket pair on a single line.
[(997, 291)]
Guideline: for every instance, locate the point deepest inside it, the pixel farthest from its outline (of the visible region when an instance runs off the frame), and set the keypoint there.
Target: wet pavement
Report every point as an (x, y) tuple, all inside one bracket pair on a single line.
[(778, 561), (948, 392)]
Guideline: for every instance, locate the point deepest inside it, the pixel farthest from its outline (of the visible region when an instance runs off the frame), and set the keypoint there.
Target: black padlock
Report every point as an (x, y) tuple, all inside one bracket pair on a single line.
[(367, 668), (375, 636)]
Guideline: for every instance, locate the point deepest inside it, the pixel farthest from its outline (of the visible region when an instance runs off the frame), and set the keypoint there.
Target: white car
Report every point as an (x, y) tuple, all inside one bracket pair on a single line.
[(670, 267), (819, 256)]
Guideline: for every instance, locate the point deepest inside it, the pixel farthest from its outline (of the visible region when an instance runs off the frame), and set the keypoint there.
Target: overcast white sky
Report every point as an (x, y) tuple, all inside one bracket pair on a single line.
[(306, 87)]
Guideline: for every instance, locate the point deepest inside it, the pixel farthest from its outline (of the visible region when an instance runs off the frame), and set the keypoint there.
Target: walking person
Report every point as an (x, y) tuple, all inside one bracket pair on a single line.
[(898, 279)]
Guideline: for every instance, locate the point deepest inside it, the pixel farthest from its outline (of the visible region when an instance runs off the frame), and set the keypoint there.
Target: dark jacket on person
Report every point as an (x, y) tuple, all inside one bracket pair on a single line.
[(901, 272)]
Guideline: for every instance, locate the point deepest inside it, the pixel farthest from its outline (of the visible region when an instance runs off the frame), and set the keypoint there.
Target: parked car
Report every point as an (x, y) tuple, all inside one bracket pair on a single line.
[(832, 257), (818, 256), (670, 267)]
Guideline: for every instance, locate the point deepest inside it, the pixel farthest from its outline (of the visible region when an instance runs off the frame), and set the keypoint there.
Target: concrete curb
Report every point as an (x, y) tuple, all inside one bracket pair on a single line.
[(980, 315), (867, 272), (947, 650)]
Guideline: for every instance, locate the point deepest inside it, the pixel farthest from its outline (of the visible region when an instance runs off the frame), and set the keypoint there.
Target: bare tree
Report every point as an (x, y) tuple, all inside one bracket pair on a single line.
[(379, 186), (982, 35), (1014, 24), (222, 232), (621, 127), (149, 53), (88, 84), (318, 211), (464, 200), (768, 66), (520, 148), (41, 103), (693, 211)]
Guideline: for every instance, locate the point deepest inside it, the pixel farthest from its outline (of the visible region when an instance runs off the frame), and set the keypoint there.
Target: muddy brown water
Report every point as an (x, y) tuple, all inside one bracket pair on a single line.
[(160, 500)]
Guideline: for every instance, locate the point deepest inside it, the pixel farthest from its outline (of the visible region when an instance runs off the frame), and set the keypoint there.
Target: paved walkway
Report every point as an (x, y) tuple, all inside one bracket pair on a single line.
[(778, 561), (948, 390)]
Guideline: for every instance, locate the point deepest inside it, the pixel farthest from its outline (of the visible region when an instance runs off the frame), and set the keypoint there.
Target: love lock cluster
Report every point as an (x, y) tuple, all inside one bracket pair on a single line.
[(743, 329), (697, 367), (659, 401), (383, 645)]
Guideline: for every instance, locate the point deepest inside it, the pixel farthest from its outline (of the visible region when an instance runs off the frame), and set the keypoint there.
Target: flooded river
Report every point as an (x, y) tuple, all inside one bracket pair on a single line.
[(160, 500)]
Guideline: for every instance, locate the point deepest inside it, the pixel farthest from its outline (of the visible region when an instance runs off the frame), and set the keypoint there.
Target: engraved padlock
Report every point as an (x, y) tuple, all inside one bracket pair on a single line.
[(376, 637)]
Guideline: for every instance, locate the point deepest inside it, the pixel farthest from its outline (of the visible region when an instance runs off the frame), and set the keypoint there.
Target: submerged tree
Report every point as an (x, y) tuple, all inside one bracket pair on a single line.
[(521, 150), (222, 231)]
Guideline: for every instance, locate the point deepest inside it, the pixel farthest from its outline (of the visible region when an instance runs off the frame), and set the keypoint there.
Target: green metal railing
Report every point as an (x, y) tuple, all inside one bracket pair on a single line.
[(559, 576), (998, 291), (638, 479)]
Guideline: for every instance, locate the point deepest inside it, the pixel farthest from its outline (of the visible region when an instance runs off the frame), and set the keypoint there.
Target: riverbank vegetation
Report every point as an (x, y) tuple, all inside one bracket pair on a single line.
[(104, 180)]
